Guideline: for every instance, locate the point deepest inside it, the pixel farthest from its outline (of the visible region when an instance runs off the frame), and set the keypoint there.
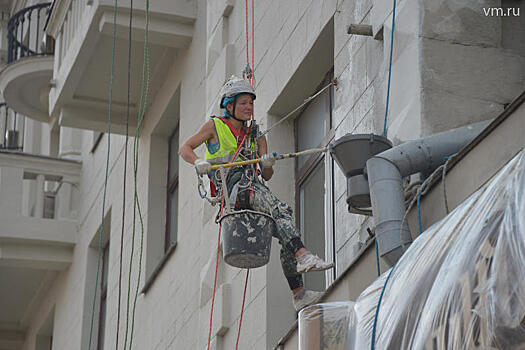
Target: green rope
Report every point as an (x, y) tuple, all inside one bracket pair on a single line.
[(144, 102), (124, 175), (146, 74), (111, 81)]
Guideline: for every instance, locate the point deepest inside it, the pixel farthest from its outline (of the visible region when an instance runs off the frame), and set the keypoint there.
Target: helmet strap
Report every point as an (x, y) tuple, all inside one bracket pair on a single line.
[(240, 120)]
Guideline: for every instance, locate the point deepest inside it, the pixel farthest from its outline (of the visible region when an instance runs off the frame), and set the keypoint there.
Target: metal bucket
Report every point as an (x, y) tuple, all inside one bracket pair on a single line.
[(247, 238)]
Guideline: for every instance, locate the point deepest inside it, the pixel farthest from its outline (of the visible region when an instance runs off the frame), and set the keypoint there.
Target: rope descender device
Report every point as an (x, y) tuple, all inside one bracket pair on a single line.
[(247, 74)]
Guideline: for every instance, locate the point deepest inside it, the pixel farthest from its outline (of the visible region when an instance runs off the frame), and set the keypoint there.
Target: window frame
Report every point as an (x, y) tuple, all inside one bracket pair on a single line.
[(157, 251), (302, 175), (103, 297)]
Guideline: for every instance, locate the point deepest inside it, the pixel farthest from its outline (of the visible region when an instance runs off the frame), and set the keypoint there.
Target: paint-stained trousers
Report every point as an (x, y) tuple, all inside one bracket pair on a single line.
[(263, 200)]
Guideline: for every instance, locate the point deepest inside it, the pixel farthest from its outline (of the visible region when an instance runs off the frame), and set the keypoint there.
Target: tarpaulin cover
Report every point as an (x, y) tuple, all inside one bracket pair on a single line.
[(460, 285)]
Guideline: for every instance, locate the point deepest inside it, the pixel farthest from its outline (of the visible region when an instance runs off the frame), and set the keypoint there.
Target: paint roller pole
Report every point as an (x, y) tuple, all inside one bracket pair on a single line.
[(275, 155)]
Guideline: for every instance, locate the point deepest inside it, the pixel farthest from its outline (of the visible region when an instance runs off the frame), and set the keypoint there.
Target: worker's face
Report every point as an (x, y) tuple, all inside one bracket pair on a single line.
[(243, 108)]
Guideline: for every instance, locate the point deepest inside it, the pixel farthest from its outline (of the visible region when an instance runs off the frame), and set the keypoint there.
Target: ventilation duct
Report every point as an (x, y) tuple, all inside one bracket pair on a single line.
[(386, 171)]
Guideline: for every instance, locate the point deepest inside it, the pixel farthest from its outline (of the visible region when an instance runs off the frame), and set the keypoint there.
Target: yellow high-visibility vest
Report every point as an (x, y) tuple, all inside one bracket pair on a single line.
[(227, 144)]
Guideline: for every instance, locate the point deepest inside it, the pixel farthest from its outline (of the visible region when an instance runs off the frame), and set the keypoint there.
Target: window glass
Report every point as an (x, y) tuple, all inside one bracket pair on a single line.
[(174, 209), (172, 190), (102, 324), (103, 298), (105, 262), (312, 124), (312, 221), (174, 154)]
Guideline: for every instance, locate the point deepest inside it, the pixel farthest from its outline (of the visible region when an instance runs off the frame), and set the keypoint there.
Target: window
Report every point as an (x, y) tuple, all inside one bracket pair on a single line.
[(163, 182), (172, 207), (96, 287), (103, 298), (314, 182)]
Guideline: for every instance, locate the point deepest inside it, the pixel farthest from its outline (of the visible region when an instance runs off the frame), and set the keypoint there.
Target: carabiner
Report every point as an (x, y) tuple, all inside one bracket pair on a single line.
[(201, 189)]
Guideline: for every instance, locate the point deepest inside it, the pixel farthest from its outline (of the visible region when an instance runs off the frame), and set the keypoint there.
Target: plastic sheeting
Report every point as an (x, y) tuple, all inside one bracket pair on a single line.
[(327, 326), (460, 285)]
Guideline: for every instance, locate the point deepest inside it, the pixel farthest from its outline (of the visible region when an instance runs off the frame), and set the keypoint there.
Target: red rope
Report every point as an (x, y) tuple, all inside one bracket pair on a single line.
[(247, 40), (253, 42), (242, 308), (215, 278), (252, 80), (218, 250)]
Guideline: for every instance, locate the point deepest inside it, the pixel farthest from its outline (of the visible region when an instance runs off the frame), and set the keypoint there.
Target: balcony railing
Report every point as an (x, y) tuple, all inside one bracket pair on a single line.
[(12, 127), (25, 33), (39, 200), (38, 186)]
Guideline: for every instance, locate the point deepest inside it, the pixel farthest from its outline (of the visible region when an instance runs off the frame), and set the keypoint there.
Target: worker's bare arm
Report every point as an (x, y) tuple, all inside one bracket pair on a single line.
[(205, 133), (262, 144)]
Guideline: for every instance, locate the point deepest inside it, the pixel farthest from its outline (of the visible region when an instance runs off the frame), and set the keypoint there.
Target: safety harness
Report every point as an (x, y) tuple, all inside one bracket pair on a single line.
[(239, 180)]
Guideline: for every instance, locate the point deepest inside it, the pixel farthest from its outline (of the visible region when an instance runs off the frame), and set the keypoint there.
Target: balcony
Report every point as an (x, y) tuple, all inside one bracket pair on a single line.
[(83, 32), (38, 226), (37, 210), (24, 82)]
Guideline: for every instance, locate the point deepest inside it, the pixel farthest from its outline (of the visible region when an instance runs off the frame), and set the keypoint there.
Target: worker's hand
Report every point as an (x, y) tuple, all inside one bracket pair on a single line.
[(267, 161), (201, 166)]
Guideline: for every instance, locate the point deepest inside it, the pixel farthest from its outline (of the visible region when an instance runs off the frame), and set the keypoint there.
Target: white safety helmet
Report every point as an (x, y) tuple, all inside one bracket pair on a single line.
[(233, 87)]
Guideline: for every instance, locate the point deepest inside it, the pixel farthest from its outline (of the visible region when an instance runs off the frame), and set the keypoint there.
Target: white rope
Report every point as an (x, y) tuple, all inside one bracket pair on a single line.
[(334, 82)]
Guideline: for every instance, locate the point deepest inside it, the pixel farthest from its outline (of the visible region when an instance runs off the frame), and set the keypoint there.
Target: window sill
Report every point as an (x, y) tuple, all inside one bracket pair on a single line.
[(158, 269)]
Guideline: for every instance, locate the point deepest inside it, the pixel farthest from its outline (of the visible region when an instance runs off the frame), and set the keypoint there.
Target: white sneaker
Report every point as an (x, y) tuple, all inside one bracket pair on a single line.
[(309, 262), (305, 298)]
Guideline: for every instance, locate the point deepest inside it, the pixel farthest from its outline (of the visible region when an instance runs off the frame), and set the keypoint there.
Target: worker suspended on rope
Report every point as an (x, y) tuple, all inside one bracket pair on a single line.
[(222, 136)]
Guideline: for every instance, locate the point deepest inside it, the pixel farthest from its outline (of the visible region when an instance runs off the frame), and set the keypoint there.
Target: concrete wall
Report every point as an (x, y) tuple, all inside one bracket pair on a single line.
[(440, 79), (471, 65)]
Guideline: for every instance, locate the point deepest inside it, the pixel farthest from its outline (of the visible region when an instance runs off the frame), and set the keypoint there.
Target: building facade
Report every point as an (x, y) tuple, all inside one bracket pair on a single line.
[(98, 229)]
